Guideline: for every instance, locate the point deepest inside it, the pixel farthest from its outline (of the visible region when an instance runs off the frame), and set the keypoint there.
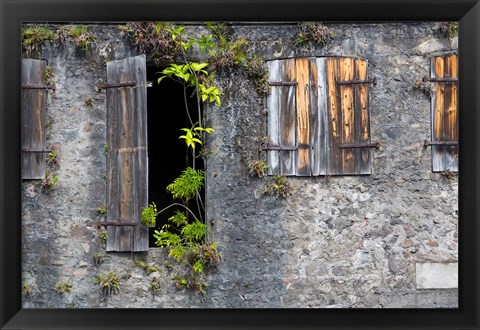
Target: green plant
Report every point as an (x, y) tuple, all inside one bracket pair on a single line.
[(78, 34), (145, 266), (88, 101), (98, 258), (449, 29), (49, 75), (50, 182), (448, 174), (192, 282), (110, 283), (102, 210), (149, 215), (258, 168), (34, 37), (192, 136), (279, 186), (63, 287), (313, 32), (52, 157), (187, 185), (26, 289), (105, 149), (103, 236), (154, 284)]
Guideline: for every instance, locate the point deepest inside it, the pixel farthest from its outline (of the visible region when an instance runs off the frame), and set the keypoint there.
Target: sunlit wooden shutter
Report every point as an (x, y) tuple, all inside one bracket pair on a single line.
[(348, 141), (318, 117), (33, 119), (127, 188), (444, 72)]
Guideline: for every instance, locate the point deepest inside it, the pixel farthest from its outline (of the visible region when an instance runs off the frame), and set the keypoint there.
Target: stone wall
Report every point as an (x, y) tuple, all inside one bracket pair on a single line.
[(335, 242)]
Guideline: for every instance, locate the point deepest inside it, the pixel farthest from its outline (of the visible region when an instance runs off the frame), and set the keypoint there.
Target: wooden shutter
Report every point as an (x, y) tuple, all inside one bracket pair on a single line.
[(318, 120), (33, 119), (127, 188), (444, 72), (348, 116)]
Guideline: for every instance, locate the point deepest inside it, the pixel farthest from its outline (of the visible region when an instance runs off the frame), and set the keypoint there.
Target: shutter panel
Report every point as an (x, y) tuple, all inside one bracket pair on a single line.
[(282, 118), (127, 187), (348, 119), (445, 113), (322, 114), (33, 119)]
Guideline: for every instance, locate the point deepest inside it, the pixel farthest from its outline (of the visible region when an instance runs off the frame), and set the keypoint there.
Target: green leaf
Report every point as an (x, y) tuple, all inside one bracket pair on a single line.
[(198, 267)]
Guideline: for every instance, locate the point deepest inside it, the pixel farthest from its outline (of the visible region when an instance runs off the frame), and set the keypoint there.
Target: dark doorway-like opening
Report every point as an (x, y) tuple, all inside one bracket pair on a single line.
[(168, 155)]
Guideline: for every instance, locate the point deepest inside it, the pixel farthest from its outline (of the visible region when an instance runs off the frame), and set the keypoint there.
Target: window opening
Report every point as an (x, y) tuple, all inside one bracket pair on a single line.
[(167, 154)]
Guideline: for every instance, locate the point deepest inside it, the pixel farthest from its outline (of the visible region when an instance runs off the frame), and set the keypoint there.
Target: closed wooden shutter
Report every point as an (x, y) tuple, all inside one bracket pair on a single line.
[(33, 119), (444, 72), (127, 187), (318, 117)]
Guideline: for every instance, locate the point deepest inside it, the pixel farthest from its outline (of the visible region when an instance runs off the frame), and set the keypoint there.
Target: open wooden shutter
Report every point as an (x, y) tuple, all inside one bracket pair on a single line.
[(33, 118), (318, 118), (127, 188), (444, 72)]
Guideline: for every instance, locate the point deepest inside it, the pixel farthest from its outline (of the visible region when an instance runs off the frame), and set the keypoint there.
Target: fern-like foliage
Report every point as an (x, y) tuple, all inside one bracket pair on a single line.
[(187, 184)]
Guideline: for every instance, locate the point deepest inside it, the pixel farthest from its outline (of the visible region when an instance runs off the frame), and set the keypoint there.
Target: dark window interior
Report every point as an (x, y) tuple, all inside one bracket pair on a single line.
[(167, 154)]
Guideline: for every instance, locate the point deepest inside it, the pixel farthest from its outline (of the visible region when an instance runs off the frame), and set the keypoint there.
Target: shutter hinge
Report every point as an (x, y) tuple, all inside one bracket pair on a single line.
[(292, 148), (282, 83), (449, 79), (357, 82), (439, 143), (114, 223), (38, 86), (375, 145), (101, 86), (35, 150)]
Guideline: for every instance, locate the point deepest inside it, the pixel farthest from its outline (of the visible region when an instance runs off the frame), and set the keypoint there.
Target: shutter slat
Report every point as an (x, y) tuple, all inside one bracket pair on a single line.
[(362, 120), (303, 115), (334, 165), (287, 120), (127, 173), (314, 139), (348, 115), (438, 159), (33, 111), (450, 131), (322, 149), (273, 113)]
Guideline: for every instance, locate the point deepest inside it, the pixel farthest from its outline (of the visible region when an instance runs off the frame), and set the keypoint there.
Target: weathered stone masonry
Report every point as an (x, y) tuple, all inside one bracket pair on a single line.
[(336, 242)]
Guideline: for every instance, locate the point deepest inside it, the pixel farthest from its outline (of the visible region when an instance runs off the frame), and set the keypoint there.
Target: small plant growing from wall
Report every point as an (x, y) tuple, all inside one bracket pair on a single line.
[(145, 266), (49, 75), (258, 168), (109, 283), (102, 210), (63, 287), (103, 236), (52, 158), (315, 32), (78, 34), (50, 182), (27, 289), (279, 186), (88, 101), (449, 29), (35, 37), (154, 285), (98, 258)]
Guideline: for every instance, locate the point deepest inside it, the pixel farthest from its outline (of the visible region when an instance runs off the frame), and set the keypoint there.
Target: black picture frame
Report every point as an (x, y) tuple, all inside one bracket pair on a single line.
[(14, 12)]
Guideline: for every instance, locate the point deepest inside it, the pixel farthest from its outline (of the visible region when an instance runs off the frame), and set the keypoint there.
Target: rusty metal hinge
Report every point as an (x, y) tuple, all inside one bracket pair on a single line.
[(282, 83), (292, 148), (375, 145), (38, 86), (440, 143), (101, 86), (449, 79), (357, 82), (35, 150), (114, 223)]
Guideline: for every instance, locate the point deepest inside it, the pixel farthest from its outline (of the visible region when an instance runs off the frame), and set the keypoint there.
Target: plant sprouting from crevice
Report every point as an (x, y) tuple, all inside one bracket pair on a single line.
[(313, 32), (145, 266), (110, 283), (279, 185), (63, 287), (449, 29), (80, 35), (34, 38), (258, 168)]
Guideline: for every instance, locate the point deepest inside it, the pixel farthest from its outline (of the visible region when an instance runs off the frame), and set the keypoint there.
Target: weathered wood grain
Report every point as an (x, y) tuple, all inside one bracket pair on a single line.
[(346, 67), (450, 131), (273, 116), (322, 149), (362, 119), (335, 163), (438, 102), (127, 187), (33, 113), (287, 120), (303, 116)]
